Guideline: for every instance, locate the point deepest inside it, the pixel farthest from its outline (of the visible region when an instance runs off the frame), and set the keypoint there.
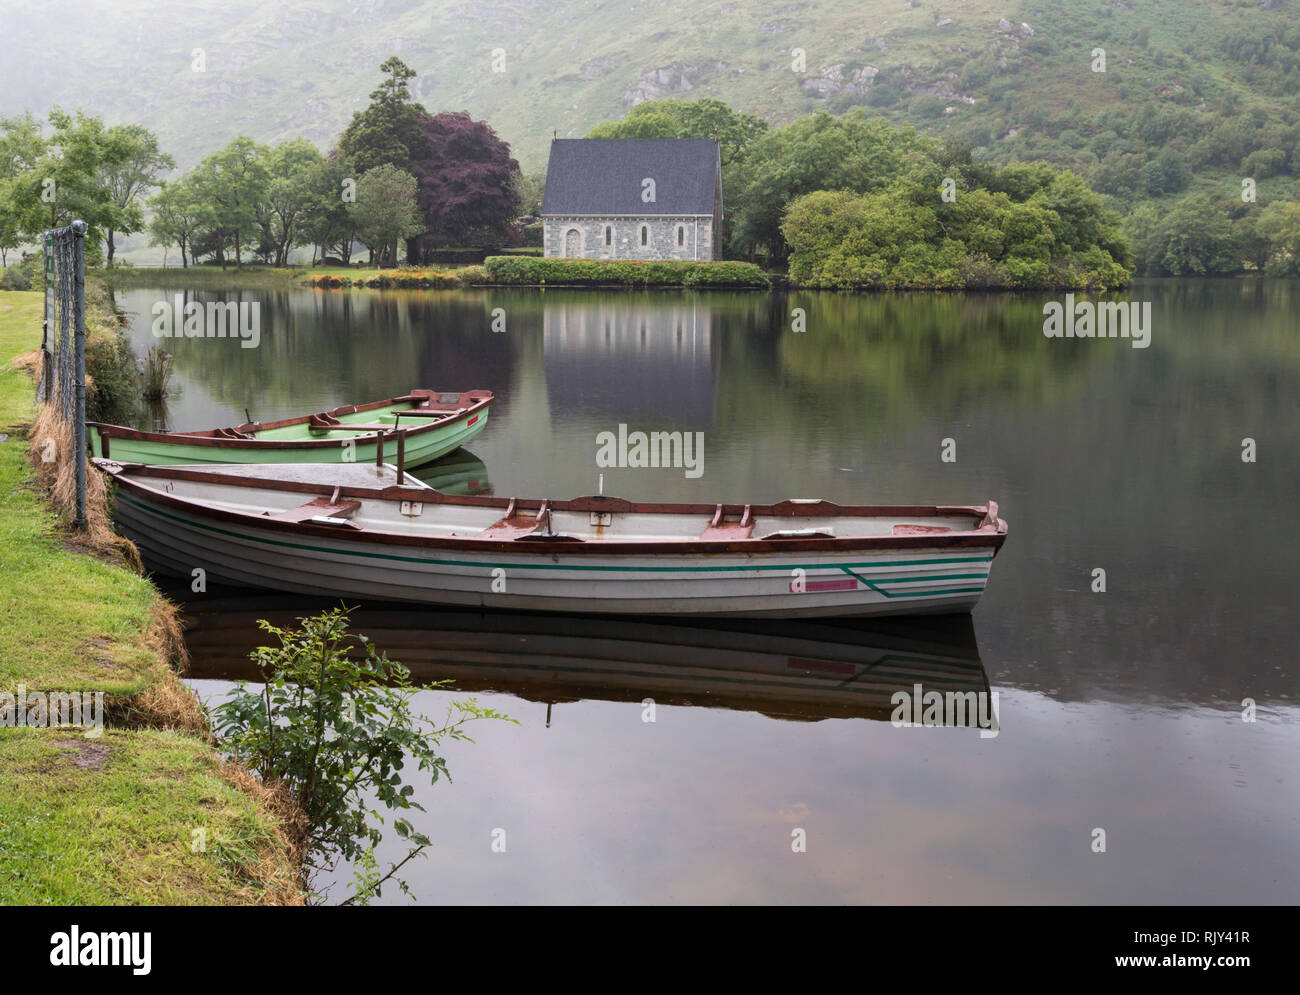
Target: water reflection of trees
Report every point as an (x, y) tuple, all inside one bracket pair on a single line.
[(318, 349), (879, 359), (1102, 455)]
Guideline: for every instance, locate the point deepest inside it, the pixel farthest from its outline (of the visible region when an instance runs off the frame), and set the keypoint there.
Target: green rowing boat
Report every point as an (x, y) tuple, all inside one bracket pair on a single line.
[(426, 424)]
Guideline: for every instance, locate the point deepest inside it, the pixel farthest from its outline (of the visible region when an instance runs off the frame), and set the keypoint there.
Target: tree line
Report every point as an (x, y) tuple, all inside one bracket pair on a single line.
[(806, 193), (921, 211), (398, 175), (856, 202)]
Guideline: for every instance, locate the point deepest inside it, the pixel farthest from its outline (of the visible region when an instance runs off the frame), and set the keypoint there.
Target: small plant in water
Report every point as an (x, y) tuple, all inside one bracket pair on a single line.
[(155, 372), (333, 723)]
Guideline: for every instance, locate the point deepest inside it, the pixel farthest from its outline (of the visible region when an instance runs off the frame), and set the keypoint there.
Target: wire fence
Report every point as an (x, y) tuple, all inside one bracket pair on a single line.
[(62, 383)]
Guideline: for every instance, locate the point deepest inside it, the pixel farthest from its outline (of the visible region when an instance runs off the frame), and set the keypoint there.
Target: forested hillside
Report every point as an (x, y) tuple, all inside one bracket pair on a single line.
[(1181, 113)]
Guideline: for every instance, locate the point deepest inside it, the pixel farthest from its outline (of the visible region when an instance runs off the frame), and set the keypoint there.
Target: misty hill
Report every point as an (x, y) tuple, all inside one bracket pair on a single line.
[(1011, 78)]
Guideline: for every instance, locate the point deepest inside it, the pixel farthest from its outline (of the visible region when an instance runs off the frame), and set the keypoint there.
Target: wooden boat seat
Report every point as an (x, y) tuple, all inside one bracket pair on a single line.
[(356, 427), (321, 507), (429, 413), (800, 534), (514, 524), (720, 530), (511, 527), (233, 433)]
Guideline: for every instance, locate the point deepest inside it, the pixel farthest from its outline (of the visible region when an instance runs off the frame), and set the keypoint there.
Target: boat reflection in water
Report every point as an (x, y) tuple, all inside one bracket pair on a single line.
[(797, 670), (460, 473)]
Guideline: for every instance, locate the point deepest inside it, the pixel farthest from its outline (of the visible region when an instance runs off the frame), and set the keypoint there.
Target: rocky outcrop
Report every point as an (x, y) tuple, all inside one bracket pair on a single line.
[(837, 80), (667, 80), (595, 68)]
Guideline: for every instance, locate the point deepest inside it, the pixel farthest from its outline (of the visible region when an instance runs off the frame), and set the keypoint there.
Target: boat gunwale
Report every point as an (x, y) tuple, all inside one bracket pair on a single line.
[(209, 437), (990, 535)]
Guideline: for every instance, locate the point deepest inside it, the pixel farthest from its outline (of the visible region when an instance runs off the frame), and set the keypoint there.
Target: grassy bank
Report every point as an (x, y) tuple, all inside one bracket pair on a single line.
[(67, 621), (75, 618), (133, 817), (204, 277), (506, 270), (398, 278)]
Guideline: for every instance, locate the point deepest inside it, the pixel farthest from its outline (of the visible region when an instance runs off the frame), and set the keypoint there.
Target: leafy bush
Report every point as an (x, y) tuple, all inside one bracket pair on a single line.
[(112, 376), (531, 271), (333, 725), (406, 278), (15, 278), (1033, 226)]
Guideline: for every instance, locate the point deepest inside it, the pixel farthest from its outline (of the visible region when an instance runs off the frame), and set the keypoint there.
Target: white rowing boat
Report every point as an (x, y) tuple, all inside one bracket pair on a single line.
[(354, 531)]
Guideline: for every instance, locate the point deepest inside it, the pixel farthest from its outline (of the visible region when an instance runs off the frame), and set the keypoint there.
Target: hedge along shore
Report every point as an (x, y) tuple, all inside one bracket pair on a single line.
[(532, 271), (147, 812)]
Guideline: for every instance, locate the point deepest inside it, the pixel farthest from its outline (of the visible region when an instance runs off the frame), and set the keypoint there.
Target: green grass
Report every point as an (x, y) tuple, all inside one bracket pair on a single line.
[(204, 277), (265, 277), (67, 621), (109, 820), (119, 820)]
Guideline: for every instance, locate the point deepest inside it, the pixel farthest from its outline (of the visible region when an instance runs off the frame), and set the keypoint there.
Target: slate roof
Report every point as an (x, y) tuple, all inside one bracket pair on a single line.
[(603, 176)]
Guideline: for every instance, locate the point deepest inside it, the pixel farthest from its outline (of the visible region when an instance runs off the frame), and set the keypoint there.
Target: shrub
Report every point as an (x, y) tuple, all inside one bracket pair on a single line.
[(532, 271), (155, 373), (406, 278), (333, 724), (15, 278), (22, 276)]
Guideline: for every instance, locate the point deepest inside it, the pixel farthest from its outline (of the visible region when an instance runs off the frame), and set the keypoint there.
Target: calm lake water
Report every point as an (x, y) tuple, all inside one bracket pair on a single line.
[(1119, 711)]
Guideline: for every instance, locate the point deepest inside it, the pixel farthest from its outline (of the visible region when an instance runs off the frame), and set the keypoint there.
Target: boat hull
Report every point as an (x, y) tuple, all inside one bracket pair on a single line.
[(343, 435), (421, 448), (180, 537)]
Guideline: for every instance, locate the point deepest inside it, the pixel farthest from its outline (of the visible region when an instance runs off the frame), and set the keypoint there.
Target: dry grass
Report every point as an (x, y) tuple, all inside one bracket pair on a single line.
[(294, 830), (29, 363), (50, 436), (168, 705)]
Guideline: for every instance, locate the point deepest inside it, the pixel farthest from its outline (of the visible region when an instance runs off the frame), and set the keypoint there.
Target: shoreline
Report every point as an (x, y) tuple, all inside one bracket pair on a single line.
[(146, 790), (451, 279)]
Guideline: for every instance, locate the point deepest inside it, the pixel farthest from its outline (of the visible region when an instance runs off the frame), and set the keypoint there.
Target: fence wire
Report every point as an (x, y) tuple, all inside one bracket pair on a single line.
[(62, 383)]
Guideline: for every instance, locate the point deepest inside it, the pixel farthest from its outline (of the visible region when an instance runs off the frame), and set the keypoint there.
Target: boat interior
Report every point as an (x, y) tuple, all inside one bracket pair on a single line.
[(535, 521), (416, 410)]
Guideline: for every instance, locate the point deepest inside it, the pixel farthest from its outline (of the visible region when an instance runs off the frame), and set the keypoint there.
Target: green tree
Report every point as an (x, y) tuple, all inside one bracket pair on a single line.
[(820, 152), (688, 119), (386, 211), (131, 165), (288, 193), (1279, 224), (326, 220), (529, 188), (22, 149), (67, 181), (176, 217), (1167, 173), (387, 132), (230, 186), (908, 236), (1195, 238)]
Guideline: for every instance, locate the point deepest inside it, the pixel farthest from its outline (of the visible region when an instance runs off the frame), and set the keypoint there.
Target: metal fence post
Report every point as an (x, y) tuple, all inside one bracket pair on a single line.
[(46, 387), (79, 317)]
